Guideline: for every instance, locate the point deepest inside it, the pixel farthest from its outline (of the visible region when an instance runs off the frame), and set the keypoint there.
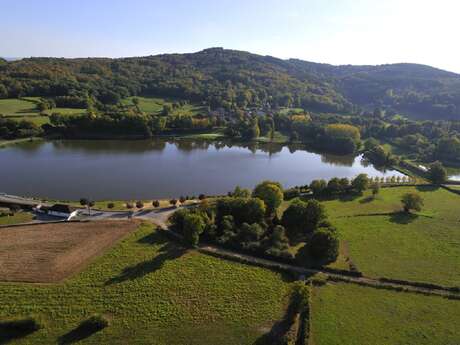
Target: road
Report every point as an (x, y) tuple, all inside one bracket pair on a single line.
[(158, 217)]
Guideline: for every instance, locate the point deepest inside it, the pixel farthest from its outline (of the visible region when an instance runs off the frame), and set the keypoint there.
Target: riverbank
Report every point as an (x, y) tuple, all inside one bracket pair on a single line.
[(4, 143)]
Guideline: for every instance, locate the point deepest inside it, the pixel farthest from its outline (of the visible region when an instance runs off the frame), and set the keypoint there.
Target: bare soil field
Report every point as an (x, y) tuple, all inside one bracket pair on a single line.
[(49, 253)]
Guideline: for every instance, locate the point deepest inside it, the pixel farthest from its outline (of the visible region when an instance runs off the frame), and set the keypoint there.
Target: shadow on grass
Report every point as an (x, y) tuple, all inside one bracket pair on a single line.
[(86, 329), (169, 251), (279, 330), (367, 199), (7, 335), (403, 218), (153, 238), (349, 197), (76, 335), (429, 188)]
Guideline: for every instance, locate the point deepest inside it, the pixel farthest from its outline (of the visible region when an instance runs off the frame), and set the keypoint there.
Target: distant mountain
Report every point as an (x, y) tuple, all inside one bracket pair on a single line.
[(229, 79)]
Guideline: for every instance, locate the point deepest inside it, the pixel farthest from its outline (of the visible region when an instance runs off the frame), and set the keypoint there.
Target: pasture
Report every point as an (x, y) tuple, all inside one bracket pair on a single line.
[(347, 314), (154, 292), (154, 105), (17, 107), (383, 242)]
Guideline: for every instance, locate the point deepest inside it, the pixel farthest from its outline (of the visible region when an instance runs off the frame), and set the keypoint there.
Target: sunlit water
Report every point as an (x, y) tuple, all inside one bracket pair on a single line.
[(104, 170)]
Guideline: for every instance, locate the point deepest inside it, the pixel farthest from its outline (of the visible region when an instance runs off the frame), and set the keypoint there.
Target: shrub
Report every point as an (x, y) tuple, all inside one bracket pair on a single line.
[(110, 205), (155, 203), (139, 204), (129, 205), (412, 201)]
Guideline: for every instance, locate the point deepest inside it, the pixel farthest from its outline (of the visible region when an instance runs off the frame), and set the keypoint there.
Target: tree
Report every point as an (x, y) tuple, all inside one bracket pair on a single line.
[(241, 192), (182, 199), (139, 204), (173, 202), (83, 201), (242, 210), (334, 186), (302, 218), (155, 203), (324, 245), (129, 205), (412, 201), (193, 228), (271, 193), (318, 187), (278, 239), (360, 183), (110, 205), (201, 197), (437, 173), (375, 189)]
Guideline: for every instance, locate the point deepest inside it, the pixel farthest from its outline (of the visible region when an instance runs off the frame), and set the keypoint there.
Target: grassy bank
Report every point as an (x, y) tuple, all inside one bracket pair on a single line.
[(154, 291)]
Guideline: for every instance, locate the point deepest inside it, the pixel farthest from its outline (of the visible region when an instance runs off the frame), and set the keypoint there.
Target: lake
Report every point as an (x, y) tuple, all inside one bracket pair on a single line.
[(103, 170)]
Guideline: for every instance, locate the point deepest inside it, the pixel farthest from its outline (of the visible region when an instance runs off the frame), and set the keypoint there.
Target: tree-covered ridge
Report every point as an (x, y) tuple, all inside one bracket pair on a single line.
[(233, 79)]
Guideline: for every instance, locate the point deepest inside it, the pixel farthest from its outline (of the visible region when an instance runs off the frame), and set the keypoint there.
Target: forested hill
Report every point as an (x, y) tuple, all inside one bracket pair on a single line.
[(229, 79)]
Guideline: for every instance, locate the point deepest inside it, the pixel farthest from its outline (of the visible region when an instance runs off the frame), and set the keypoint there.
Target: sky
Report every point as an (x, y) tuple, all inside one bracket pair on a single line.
[(328, 31)]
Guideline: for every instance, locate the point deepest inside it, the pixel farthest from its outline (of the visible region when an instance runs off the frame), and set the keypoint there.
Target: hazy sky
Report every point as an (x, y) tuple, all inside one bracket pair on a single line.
[(330, 31)]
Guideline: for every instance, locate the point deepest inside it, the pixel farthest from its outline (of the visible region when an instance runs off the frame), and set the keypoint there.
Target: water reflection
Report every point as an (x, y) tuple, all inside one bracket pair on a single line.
[(163, 167)]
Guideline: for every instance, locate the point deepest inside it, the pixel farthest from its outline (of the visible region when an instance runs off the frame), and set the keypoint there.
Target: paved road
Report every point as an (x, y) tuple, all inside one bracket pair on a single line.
[(159, 217), (17, 200)]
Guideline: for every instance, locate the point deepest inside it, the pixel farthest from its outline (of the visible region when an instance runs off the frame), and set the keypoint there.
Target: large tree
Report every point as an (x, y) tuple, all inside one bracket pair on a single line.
[(324, 245), (271, 193), (302, 218), (437, 173), (193, 227)]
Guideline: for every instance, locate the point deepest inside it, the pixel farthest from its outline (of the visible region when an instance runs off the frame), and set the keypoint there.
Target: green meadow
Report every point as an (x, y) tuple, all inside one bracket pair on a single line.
[(347, 314), (154, 105), (383, 242), (154, 292)]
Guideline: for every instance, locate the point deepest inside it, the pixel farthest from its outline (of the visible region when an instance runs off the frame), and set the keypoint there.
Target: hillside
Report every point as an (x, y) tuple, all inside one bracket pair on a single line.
[(229, 79)]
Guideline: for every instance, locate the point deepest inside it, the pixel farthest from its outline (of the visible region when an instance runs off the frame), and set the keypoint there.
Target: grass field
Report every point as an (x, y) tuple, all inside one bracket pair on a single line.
[(383, 243), (25, 109), (153, 105), (154, 292), (346, 314), (65, 111), (20, 217), (17, 107)]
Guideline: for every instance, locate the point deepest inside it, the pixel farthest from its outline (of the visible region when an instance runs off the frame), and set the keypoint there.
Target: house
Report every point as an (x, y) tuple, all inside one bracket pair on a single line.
[(58, 210)]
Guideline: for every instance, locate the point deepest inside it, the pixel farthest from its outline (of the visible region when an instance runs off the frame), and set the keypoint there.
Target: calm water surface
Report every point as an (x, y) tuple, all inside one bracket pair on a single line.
[(104, 170)]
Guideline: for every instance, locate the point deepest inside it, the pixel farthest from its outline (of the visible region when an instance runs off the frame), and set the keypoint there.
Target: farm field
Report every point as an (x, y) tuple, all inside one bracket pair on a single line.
[(349, 314), (17, 107), (25, 109), (52, 252), (154, 292), (385, 243), (153, 105)]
